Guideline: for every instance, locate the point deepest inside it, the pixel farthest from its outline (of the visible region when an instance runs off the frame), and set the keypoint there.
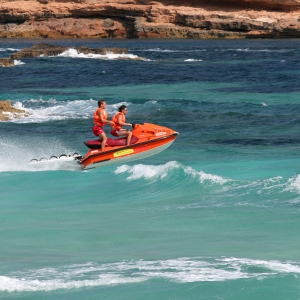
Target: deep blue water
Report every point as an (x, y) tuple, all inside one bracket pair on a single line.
[(215, 216)]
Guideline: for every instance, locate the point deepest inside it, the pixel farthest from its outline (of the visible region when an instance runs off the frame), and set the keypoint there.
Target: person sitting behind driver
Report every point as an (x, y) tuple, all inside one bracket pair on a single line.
[(119, 120), (100, 120)]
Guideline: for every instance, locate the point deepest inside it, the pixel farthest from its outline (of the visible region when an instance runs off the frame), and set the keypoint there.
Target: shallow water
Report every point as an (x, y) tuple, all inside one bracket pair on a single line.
[(215, 216)]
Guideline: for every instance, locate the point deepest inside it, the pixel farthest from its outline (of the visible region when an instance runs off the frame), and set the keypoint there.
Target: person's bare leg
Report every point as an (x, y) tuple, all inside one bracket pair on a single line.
[(129, 135), (104, 139)]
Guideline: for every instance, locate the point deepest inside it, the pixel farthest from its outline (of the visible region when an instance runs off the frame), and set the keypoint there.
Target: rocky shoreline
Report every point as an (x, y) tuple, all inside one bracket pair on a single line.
[(150, 19), (8, 112), (53, 50)]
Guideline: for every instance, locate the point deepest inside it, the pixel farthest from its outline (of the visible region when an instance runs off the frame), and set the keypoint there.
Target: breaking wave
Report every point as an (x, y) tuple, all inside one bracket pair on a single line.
[(161, 171), (189, 180), (167, 50), (18, 62), (73, 53), (9, 49), (192, 59), (180, 270), (40, 110), (259, 50)]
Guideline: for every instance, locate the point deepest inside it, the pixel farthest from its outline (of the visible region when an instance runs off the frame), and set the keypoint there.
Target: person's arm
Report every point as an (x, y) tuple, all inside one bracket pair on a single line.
[(104, 120), (122, 123)]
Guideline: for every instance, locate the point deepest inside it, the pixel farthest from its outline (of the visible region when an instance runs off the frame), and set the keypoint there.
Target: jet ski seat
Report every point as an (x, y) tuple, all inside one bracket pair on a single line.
[(96, 144)]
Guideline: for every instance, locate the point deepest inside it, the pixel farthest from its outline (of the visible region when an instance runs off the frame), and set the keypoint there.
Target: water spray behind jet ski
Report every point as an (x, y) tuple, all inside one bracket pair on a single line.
[(63, 157)]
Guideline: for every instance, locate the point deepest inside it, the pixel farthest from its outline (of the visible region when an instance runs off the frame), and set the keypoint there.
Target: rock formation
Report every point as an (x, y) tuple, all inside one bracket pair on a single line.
[(8, 112), (149, 19), (6, 62), (53, 50)]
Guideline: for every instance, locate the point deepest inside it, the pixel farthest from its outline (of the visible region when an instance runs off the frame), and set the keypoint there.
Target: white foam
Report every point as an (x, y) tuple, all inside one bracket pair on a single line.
[(168, 50), (259, 50), (158, 172), (26, 285), (272, 265), (265, 186), (73, 53), (192, 59), (18, 62), (161, 50), (9, 49), (18, 105), (202, 176), (16, 154), (180, 270), (40, 110), (148, 172), (293, 184)]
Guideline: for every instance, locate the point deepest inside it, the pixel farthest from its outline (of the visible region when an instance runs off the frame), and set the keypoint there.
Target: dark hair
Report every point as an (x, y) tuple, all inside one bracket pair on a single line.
[(100, 102), (122, 107)]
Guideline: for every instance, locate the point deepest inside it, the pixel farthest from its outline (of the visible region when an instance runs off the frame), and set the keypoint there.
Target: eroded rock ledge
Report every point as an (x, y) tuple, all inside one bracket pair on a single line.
[(8, 112), (53, 50), (6, 62), (150, 19)]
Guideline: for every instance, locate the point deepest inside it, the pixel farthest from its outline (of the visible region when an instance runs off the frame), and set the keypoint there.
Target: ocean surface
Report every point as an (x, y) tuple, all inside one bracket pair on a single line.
[(215, 216)]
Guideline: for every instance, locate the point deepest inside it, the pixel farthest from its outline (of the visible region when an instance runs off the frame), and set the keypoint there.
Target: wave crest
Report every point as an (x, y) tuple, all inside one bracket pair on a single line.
[(73, 53), (180, 270), (161, 171)]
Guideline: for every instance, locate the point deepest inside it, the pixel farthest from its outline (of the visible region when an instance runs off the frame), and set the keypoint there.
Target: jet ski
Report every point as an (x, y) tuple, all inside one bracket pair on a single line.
[(147, 140)]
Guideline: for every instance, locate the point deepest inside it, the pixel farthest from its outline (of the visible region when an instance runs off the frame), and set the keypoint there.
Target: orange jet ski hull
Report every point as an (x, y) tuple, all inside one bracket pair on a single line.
[(149, 139)]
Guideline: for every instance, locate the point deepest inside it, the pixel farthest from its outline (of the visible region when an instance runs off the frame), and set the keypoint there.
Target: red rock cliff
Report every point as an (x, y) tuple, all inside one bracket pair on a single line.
[(150, 19)]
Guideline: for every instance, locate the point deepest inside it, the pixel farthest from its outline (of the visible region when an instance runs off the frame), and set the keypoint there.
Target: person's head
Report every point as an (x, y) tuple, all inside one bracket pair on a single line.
[(101, 104), (123, 109)]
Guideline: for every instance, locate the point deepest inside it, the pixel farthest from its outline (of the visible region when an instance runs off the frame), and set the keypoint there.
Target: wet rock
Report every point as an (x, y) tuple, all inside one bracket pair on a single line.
[(103, 51), (53, 50), (8, 112), (6, 62), (38, 50)]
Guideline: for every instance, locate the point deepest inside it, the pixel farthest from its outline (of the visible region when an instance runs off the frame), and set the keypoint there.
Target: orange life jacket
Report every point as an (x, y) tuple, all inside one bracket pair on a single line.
[(97, 120), (115, 118)]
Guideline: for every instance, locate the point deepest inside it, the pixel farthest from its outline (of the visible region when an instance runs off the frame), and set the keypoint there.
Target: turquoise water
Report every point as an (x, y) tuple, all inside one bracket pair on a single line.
[(215, 216)]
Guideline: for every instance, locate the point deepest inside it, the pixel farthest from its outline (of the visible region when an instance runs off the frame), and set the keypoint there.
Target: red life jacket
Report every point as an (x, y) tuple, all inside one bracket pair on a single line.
[(115, 118), (97, 120)]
